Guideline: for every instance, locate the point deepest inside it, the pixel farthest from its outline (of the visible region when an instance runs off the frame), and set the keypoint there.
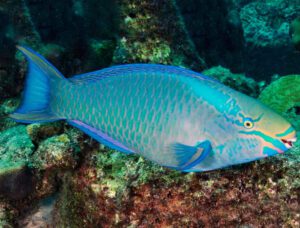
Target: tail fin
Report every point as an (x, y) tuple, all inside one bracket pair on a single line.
[(41, 78)]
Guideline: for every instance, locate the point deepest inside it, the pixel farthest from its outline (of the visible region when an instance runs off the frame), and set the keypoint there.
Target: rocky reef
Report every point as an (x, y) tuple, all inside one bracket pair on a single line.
[(282, 94), (266, 26), (54, 175), (147, 35), (295, 32), (248, 36)]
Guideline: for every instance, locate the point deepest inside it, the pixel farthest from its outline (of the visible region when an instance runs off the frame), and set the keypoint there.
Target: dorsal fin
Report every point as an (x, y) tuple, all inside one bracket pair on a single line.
[(130, 68)]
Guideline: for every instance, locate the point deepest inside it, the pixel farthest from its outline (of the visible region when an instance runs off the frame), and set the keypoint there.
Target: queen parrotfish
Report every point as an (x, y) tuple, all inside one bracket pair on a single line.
[(170, 115)]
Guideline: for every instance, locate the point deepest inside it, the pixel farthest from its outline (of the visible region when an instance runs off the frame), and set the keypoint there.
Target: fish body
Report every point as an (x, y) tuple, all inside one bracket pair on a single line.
[(173, 116)]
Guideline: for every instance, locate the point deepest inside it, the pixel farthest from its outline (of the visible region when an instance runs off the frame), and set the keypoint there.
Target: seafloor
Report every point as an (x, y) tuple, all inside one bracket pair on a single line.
[(53, 175)]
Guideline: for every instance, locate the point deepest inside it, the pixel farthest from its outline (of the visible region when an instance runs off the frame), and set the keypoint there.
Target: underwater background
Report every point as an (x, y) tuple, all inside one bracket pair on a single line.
[(53, 175)]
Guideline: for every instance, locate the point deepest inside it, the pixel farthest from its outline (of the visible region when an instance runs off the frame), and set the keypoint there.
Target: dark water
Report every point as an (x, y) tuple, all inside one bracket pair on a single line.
[(249, 45)]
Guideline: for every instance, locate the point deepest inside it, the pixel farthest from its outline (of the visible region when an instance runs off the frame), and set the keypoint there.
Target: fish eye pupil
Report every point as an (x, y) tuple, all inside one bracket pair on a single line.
[(248, 124)]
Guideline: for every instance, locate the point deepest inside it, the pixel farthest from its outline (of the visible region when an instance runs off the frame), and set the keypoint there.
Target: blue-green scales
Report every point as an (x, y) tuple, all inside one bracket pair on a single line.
[(173, 116)]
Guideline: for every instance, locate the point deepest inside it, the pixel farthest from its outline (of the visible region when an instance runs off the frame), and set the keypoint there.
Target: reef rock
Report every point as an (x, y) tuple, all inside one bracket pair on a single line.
[(148, 35), (266, 26), (215, 29), (295, 32), (282, 94), (7, 107), (55, 152), (15, 146), (266, 23), (16, 181), (238, 82), (41, 216), (112, 189)]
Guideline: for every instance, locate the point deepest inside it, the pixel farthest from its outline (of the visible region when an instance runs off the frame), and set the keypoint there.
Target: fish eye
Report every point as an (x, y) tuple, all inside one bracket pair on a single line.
[(248, 123)]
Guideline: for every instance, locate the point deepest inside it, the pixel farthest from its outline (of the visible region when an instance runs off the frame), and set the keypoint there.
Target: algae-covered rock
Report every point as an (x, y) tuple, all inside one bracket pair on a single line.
[(15, 146), (41, 131), (295, 32), (236, 81), (41, 216), (57, 151), (16, 181), (282, 94), (147, 35), (5, 218), (7, 107), (101, 184), (112, 189), (266, 28), (266, 23), (215, 28)]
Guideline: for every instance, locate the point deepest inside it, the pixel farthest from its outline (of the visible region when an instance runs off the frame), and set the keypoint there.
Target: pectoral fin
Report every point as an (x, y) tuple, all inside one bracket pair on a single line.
[(190, 156)]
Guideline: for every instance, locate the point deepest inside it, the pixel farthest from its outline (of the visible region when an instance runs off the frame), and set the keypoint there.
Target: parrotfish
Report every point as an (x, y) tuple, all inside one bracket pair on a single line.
[(170, 115)]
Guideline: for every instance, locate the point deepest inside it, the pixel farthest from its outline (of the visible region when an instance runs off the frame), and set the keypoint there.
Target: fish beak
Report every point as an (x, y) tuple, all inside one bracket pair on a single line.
[(288, 143)]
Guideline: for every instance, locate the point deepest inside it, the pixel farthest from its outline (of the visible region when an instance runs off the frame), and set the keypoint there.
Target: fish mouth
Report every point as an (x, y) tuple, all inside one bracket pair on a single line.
[(288, 143)]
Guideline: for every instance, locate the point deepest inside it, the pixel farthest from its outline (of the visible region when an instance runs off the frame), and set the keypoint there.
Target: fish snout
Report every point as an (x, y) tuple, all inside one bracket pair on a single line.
[(288, 143)]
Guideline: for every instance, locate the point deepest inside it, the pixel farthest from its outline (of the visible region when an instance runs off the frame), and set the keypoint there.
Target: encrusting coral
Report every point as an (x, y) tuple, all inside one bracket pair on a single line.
[(295, 32), (149, 36), (236, 81), (112, 189), (282, 94), (95, 186)]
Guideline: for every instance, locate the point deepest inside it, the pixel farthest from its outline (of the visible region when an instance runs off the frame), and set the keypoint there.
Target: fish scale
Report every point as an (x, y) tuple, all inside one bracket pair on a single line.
[(172, 116), (118, 123)]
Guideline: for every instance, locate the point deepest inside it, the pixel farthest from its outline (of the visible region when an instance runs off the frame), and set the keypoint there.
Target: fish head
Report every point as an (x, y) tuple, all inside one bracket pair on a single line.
[(263, 131)]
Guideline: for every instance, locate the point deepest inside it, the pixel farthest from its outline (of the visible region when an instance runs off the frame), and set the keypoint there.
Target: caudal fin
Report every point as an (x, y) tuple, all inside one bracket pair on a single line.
[(40, 83)]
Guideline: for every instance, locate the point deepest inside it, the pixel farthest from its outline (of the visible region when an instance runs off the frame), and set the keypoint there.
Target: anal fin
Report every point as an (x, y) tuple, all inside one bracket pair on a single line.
[(34, 117), (100, 136)]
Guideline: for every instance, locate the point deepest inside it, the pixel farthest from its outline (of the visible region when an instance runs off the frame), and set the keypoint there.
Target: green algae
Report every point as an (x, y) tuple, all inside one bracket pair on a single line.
[(117, 171), (4, 218), (15, 148), (55, 152), (282, 94), (149, 36), (295, 32), (7, 107), (236, 81), (41, 131)]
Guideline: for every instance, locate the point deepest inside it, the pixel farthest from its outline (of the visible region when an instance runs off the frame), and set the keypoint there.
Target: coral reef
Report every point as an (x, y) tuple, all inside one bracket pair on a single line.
[(148, 36), (54, 175), (112, 189), (215, 28), (266, 27), (282, 94), (41, 216), (295, 32), (16, 26), (266, 23), (15, 147), (7, 107), (59, 32), (236, 81)]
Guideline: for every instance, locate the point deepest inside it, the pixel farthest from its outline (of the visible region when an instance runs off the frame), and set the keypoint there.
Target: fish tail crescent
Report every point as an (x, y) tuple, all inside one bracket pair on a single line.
[(41, 81)]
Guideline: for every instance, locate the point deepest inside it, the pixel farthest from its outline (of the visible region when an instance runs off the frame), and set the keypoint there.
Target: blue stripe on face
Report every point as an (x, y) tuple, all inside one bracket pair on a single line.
[(269, 152), (276, 143), (288, 131)]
